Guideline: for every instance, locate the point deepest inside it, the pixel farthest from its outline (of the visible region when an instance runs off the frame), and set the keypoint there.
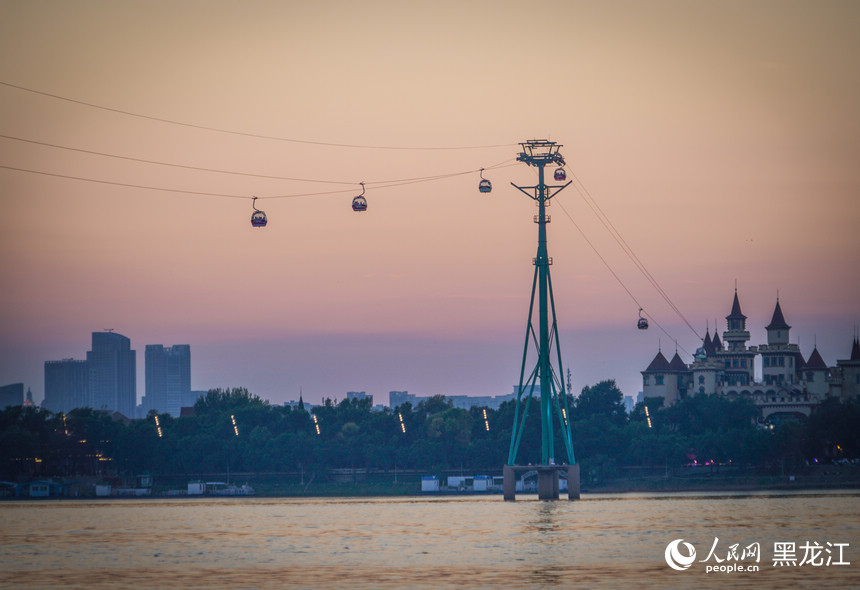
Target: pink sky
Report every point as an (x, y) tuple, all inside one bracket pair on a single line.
[(720, 139)]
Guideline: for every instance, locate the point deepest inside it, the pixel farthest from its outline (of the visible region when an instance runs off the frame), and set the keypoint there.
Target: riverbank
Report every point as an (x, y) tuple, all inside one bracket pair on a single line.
[(821, 477)]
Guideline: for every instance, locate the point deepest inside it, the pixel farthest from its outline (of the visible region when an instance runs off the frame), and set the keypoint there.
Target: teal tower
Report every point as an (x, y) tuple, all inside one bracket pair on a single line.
[(545, 376)]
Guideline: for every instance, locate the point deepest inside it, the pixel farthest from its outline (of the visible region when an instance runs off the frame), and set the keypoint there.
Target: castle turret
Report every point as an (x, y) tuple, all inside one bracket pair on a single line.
[(716, 344), (737, 358), (781, 362), (815, 373), (777, 330), (654, 381), (849, 371), (737, 336)]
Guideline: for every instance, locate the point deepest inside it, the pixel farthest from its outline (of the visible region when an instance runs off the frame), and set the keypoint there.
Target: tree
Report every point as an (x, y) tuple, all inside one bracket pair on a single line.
[(602, 399)]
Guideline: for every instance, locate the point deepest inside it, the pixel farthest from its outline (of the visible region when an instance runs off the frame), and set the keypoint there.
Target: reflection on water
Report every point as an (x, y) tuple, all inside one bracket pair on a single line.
[(602, 541)]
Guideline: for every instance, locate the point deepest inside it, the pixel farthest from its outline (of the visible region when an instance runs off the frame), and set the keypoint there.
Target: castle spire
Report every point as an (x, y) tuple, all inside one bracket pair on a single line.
[(736, 336), (777, 330)]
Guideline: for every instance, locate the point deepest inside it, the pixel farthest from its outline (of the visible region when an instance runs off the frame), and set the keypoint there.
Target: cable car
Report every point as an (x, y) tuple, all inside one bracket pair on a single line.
[(485, 185), (560, 176), (258, 218), (642, 324), (359, 203)]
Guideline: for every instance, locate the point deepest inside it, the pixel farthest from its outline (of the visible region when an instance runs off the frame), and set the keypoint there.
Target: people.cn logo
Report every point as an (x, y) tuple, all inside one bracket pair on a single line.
[(676, 559)]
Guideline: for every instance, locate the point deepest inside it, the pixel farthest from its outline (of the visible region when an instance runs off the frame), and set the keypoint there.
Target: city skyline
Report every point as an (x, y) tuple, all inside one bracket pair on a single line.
[(717, 142)]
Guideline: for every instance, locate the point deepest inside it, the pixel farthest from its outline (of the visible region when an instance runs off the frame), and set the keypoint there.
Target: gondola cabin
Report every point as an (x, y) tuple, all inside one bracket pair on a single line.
[(359, 203), (642, 324), (258, 219), (485, 186), (560, 175)]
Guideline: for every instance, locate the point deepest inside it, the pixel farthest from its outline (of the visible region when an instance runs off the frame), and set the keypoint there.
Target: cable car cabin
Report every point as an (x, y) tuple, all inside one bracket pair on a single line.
[(258, 218), (359, 203), (484, 186), (560, 176), (642, 324)]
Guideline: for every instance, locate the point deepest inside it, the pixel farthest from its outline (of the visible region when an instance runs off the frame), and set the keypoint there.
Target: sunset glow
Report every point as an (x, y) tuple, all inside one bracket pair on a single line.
[(719, 140)]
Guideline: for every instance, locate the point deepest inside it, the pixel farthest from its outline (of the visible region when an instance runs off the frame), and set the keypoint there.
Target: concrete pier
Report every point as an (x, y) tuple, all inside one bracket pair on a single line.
[(547, 480), (573, 487), (509, 483)]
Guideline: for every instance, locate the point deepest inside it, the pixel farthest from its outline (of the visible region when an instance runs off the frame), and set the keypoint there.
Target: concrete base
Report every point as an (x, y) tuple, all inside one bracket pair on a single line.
[(547, 480), (509, 483), (573, 487)]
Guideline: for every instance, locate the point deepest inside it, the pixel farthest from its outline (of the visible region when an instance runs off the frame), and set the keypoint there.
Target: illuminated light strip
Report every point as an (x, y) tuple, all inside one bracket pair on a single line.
[(158, 427), (235, 428), (316, 423), (486, 423), (648, 416), (402, 425)]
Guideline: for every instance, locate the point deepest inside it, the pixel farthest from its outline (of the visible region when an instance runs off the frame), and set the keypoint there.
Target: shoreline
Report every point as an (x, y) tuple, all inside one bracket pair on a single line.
[(283, 485), (335, 490)]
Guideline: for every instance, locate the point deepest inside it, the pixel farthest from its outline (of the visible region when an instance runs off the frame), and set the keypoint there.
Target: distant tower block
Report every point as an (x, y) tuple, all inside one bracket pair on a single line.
[(547, 374)]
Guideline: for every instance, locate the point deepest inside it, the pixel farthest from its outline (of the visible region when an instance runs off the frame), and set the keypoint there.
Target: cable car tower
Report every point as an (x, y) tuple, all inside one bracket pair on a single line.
[(547, 377)]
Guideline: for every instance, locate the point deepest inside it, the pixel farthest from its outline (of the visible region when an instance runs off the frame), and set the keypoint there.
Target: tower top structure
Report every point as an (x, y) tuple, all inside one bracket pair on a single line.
[(540, 152)]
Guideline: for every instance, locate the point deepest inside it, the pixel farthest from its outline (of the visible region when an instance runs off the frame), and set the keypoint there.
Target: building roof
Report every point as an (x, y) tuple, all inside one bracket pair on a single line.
[(677, 364), (717, 345), (799, 363), (815, 361), (707, 344), (736, 309), (659, 363), (778, 320)]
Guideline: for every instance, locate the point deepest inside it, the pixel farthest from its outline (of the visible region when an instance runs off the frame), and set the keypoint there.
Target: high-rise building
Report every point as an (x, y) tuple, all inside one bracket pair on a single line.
[(66, 385), (112, 374), (359, 395), (168, 378), (11, 395), (398, 398)]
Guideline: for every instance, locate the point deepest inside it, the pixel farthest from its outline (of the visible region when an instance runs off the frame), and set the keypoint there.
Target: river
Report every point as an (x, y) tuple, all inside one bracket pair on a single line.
[(447, 542)]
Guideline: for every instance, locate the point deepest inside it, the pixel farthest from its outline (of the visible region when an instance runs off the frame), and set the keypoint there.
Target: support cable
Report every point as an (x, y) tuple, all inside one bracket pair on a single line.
[(381, 183), (622, 243), (376, 185), (254, 135), (617, 278)]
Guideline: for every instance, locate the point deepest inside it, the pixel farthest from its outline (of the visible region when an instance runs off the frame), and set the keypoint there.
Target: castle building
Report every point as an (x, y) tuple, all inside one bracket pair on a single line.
[(789, 386)]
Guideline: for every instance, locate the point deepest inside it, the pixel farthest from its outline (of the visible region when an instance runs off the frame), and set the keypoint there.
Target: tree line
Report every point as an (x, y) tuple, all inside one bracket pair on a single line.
[(431, 436)]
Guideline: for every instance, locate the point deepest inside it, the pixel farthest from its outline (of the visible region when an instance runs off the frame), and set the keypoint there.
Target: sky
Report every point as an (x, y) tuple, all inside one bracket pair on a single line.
[(719, 141)]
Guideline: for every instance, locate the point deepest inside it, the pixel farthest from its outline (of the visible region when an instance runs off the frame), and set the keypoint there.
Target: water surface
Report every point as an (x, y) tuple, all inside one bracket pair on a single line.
[(601, 541)]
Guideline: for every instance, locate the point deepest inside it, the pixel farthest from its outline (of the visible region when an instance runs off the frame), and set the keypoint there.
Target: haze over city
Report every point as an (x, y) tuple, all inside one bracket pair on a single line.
[(720, 140)]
